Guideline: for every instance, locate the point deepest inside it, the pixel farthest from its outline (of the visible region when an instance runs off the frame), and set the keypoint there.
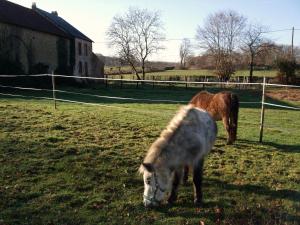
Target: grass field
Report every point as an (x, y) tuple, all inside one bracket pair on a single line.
[(261, 73), (258, 73), (78, 164)]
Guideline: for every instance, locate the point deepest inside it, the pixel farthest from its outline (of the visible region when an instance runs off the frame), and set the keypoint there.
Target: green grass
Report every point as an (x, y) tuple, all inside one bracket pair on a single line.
[(269, 73), (78, 164), (200, 72)]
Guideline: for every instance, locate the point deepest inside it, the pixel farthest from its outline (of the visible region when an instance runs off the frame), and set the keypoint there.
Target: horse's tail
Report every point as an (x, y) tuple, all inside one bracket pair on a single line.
[(234, 111)]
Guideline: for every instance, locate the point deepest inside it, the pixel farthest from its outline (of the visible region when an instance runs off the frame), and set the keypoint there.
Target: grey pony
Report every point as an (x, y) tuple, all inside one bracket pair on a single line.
[(188, 138)]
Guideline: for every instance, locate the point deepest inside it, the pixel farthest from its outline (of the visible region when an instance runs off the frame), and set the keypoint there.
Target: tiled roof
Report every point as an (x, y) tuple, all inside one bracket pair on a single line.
[(62, 24), (38, 20), (24, 17)]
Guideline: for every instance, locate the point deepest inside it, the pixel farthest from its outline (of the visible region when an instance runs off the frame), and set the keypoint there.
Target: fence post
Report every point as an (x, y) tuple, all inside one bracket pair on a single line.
[(121, 81), (262, 114), (186, 84), (106, 81), (153, 81), (53, 89)]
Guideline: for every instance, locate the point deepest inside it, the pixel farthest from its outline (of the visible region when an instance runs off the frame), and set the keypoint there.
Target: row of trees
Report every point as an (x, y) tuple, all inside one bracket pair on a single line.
[(224, 36), (227, 38)]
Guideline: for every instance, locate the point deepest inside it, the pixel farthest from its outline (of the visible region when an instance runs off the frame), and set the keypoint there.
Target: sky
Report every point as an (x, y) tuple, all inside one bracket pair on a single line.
[(180, 18)]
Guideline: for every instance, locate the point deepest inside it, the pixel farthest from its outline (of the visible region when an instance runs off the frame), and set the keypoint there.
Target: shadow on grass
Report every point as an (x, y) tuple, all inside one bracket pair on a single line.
[(256, 189), (242, 143), (284, 147), (238, 213)]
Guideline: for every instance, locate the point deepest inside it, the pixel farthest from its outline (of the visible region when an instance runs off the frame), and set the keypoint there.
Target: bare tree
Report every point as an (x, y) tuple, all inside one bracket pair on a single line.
[(220, 36), (121, 38), (254, 43), (266, 55), (185, 51), (136, 35), (297, 54)]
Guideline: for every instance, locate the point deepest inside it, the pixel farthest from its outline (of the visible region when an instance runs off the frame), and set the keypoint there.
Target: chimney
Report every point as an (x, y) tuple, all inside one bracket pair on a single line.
[(54, 13), (33, 6)]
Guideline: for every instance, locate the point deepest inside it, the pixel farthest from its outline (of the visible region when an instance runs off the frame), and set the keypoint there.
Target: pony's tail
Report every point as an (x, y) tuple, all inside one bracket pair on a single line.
[(234, 111)]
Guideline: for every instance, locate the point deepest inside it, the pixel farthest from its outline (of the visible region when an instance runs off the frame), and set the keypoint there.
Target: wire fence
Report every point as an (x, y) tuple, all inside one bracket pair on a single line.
[(263, 103)]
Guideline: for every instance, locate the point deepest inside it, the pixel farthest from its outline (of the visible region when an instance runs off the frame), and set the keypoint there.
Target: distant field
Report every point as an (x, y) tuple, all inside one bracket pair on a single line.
[(78, 164), (260, 73), (270, 73)]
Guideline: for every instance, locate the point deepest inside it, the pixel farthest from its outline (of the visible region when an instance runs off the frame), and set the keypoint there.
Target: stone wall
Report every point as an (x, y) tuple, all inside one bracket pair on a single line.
[(58, 54), (83, 53), (32, 47), (87, 65)]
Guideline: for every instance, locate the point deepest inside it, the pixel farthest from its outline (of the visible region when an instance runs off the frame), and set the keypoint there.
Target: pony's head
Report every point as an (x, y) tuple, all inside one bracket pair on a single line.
[(156, 184)]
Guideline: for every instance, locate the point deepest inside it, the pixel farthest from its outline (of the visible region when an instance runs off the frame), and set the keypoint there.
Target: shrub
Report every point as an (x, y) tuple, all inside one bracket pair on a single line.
[(224, 69), (286, 69)]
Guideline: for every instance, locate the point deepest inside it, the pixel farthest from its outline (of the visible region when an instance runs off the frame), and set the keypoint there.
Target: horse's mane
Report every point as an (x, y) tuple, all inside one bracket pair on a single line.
[(157, 147)]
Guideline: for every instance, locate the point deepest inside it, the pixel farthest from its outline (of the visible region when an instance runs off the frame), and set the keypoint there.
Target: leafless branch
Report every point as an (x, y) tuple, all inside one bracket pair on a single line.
[(221, 35), (137, 35)]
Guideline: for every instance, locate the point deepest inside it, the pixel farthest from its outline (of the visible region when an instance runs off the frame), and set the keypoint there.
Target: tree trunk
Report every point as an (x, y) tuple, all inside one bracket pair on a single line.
[(143, 70), (251, 68), (136, 72), (251, 73)]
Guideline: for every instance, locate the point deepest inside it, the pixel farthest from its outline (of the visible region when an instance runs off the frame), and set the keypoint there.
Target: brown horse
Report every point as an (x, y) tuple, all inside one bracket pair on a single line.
[(221, 106)]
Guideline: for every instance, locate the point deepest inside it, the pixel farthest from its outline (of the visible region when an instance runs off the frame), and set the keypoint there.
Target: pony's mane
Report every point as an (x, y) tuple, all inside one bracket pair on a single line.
[(166, 135)]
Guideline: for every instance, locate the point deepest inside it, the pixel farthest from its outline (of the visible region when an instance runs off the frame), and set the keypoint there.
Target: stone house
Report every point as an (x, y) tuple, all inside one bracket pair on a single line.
[(37, 41)]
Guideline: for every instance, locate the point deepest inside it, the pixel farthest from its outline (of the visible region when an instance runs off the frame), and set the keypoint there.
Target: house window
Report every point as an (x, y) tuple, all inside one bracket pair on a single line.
[(79, 49), (86, 49), (86, 69), (80, 68)]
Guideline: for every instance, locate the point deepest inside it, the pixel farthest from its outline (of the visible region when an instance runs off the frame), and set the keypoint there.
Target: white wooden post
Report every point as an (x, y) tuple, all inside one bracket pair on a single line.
[(262, 114), (53, 89)]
